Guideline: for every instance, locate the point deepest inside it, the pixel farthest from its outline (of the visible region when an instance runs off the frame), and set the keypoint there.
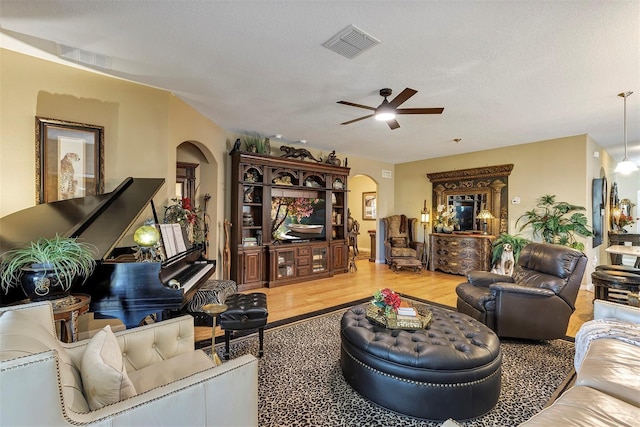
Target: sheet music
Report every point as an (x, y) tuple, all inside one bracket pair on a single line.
[(179, 238), (167, 237)]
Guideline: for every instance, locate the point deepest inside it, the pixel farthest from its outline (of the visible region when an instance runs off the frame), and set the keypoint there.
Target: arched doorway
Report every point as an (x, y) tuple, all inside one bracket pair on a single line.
[(196, 178), (363, 192)]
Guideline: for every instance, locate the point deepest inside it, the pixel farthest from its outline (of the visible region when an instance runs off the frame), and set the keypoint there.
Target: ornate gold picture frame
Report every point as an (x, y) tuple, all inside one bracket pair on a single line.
[(69, 160), (369, 206)]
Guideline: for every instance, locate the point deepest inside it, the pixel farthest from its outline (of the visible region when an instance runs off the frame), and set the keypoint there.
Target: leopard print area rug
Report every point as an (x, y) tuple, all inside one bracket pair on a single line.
[(301, 384)]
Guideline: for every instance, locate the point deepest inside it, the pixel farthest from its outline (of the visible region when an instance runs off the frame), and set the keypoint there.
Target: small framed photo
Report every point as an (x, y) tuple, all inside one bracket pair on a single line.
[(69, 160), (369, 206)]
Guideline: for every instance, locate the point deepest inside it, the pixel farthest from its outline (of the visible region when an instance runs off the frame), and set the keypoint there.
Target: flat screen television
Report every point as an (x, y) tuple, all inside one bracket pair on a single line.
[(298, 218)]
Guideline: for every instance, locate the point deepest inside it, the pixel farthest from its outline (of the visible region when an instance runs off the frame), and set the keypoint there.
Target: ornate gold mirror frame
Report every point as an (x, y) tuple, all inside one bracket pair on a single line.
[(489, 183)]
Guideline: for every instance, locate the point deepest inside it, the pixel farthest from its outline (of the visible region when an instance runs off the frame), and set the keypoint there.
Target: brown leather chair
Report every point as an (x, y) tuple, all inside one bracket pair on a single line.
[(536, 302), (400, 238)]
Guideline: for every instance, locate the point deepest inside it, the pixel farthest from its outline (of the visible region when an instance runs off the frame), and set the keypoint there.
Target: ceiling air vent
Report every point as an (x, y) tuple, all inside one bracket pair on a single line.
[(351, 42), (84, 57)]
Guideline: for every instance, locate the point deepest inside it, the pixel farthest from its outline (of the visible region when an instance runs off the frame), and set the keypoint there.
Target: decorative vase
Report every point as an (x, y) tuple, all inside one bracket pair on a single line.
[(438, 229), (447, 229), (39, 283)]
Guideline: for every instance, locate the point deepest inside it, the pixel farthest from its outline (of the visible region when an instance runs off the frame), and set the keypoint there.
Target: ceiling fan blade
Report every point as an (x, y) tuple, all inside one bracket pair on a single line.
[(357, 105), (419, 110), (357, 120), (402, 96), (393, 124)]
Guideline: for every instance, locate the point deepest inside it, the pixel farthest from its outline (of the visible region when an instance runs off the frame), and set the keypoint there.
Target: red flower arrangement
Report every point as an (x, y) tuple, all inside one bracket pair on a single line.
[(387, 299)]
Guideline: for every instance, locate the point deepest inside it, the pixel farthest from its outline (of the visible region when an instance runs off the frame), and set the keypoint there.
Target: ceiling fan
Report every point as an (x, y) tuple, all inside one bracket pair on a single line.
[(388, 110)]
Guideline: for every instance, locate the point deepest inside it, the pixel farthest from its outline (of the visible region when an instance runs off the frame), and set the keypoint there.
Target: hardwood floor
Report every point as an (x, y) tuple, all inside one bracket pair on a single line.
[(291, 300)]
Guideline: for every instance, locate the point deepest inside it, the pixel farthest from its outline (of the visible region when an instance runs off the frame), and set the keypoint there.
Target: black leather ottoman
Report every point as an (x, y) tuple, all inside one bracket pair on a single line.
[(450, 370), (244, 312)]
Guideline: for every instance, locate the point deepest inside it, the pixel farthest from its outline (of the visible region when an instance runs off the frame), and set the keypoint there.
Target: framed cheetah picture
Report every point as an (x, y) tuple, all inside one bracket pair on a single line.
[(69, 160)]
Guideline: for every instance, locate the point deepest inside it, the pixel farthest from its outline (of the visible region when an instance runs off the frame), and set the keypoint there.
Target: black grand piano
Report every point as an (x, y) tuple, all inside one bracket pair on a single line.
[(119, 287)]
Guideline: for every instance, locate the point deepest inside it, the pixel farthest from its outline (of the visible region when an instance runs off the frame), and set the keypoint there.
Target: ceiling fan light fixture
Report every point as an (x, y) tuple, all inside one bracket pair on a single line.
[(626, 166), (385, 112)]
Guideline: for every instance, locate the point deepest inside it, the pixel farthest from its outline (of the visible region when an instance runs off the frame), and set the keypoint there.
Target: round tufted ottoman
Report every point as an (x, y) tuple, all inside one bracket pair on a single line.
[(450, 370)]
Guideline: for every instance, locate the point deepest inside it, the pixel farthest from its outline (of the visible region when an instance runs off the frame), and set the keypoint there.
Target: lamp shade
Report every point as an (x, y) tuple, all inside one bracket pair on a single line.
[(626, 166), (425, 217), (485, 214), (147, 235)]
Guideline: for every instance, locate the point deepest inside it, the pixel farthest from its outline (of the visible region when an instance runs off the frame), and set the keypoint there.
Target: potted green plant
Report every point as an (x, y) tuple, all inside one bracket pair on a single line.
[(516, 243), (557, 222), (47, 268), (255, 143)]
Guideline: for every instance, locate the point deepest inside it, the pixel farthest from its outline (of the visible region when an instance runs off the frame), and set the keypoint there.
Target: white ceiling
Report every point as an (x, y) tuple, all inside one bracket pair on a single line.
[(506, 72)]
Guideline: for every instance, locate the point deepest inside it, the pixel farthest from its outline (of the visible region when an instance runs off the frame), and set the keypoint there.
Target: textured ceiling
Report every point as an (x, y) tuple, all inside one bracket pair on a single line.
[(506, 72)]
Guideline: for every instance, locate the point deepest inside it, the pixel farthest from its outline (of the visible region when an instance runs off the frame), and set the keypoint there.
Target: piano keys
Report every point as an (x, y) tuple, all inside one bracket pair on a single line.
[(119, 287)]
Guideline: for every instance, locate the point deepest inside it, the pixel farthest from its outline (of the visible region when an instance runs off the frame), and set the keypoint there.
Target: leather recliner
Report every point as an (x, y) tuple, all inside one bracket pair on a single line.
[(400, 238), (536, 302)]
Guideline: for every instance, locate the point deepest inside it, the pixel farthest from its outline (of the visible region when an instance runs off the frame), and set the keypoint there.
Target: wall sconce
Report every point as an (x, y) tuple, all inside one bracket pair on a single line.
[(485, 215)]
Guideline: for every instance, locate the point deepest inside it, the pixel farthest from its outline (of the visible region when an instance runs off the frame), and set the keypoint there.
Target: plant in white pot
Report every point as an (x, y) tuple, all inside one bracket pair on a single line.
[(47, 268)]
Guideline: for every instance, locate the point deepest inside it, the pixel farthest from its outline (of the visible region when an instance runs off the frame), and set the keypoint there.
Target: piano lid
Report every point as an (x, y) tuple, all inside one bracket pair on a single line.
[(101, 220)]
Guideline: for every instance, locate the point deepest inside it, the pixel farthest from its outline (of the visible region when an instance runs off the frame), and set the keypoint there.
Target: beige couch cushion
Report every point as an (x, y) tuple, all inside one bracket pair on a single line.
[(22, 336), (612, 366), (167, 371), (104, 375), (584, 406)]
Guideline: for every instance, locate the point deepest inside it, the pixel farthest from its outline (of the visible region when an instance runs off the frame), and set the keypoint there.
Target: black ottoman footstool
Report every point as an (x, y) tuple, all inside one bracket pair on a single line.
[(244, 312), (450, 370)]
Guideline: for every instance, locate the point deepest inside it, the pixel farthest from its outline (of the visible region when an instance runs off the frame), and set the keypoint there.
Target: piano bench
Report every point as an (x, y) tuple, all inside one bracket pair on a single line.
[(211, 292), (244, 312)]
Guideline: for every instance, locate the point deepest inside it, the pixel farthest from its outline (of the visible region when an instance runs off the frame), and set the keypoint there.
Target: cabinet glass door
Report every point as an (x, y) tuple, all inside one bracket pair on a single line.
[(285, 264), (319, 259)]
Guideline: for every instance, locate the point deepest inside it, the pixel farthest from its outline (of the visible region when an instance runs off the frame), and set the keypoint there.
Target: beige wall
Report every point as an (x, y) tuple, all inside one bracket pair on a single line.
[(564, 167), (144, 126)]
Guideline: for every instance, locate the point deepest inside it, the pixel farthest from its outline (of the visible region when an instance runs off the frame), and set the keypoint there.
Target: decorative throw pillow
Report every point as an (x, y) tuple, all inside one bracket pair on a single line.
[(399, 242), (104, 376)]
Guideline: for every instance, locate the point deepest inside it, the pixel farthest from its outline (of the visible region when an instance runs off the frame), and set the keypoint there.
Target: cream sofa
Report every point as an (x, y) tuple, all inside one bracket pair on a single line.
[(41, 382), (607, 388)]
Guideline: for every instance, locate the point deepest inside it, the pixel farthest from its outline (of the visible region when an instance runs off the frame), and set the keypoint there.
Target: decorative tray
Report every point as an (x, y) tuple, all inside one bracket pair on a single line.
[(407, 323)]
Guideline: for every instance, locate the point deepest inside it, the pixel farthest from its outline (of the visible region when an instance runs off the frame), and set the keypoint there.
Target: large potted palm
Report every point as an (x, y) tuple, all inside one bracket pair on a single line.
[(557, 222), (47, 268)]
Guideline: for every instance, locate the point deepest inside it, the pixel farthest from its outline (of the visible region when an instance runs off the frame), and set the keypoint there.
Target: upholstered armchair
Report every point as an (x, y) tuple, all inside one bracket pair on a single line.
[(150, 375), (536, 302), (400, 235)]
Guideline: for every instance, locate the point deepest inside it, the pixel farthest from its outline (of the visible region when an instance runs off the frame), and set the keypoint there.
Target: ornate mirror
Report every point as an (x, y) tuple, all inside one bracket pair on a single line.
[(471, 190)]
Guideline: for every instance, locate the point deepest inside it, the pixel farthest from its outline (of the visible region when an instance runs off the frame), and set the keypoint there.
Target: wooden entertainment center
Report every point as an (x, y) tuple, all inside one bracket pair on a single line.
[(257, 258)]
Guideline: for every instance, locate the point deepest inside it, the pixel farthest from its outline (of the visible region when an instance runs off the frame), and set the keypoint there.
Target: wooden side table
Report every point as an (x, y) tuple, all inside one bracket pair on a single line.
[(67, 310)]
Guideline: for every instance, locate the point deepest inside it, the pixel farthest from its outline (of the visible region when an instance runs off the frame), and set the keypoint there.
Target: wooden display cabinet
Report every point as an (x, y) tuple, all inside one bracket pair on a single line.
[(257, 258)]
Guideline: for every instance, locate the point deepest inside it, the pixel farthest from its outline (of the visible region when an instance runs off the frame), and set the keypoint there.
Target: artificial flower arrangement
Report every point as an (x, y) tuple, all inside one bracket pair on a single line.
[(445, 218), (188, 216), (387, 300), (624, 220)]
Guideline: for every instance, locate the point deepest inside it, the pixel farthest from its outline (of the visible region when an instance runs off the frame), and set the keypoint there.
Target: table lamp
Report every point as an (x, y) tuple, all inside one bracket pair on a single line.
[(146, 237), (484, 215)]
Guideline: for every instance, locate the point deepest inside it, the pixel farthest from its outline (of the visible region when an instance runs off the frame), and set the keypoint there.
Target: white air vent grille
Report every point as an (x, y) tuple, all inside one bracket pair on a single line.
[(84, 57), (351, 42)]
